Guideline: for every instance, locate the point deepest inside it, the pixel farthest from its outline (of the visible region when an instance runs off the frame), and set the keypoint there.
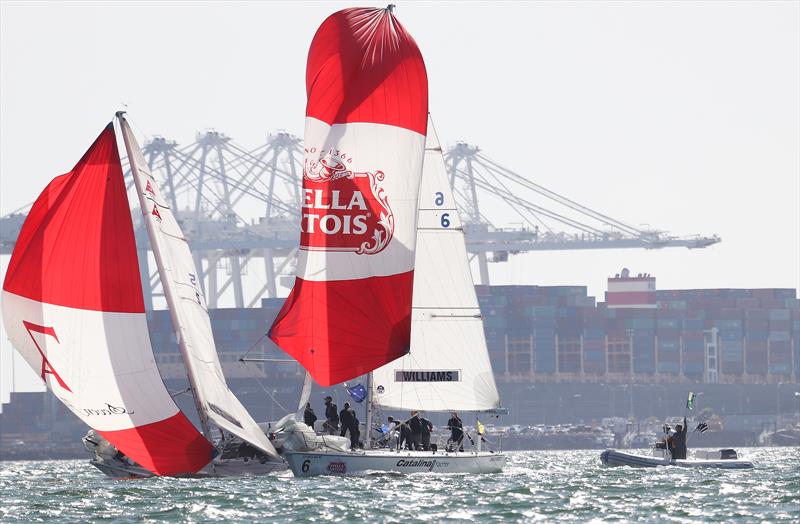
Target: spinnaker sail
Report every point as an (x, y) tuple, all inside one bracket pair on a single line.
[(366, 118), (73, 308), (181, 283), (448, 367)]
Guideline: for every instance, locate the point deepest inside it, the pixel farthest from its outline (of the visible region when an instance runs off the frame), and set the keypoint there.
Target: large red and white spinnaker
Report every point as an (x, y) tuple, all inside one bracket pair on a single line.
[(366, 119)]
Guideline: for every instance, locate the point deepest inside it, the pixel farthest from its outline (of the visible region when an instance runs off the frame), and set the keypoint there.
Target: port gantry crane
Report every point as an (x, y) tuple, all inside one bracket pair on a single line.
[(240, 210)]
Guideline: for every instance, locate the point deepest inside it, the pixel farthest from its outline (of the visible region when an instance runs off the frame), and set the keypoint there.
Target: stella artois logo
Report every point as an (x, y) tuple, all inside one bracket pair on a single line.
[(343, 210)]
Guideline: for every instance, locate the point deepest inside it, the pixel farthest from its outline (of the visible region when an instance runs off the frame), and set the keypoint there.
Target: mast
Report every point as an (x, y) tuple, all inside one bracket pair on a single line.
[(368, 438), (169, 292)]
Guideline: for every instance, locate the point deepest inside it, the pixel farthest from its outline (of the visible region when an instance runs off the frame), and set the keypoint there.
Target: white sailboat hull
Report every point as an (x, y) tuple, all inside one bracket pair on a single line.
[(314, 463)]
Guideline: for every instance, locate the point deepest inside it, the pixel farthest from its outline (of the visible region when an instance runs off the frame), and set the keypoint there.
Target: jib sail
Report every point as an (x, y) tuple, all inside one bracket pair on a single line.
[(448, 367), (181, 283)]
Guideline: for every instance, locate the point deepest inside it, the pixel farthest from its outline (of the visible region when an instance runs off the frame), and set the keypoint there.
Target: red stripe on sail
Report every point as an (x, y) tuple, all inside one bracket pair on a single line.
[(366, 332), (169, 447), (76, 248), (363, 66)]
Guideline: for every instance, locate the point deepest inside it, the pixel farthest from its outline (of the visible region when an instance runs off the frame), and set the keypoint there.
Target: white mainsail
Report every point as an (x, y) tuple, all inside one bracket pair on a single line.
[(181, 283), (448, 365)]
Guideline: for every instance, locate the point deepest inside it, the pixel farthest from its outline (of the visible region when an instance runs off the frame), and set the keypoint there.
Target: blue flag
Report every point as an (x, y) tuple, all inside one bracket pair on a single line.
[(358, 393)]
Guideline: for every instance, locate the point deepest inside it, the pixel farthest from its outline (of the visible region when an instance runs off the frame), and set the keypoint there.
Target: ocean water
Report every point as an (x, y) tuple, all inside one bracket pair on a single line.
[(535, 486)]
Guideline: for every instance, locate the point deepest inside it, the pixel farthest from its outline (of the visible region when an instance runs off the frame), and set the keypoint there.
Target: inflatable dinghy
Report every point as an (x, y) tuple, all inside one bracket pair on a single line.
[(724, 459)]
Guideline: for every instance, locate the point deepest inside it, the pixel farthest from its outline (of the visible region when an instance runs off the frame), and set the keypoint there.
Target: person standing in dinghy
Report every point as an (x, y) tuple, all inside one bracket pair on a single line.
[(676, 443)]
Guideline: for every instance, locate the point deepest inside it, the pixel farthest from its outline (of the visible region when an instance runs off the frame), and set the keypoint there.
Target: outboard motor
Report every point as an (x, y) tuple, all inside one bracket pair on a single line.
[(728, 454)]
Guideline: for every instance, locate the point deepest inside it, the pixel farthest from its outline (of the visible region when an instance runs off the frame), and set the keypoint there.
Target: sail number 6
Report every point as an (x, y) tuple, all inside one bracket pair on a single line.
[(445, 220), (439, 200)]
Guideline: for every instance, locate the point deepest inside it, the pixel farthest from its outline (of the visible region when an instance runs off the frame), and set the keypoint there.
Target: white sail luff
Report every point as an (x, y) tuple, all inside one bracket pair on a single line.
[(169, 293), (305, 394)]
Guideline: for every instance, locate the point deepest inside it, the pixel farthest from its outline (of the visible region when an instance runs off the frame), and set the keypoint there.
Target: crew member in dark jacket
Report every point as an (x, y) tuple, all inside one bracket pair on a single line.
[(415, 425), (456, 432), (331, 416), (349, 422), (677, 441), (427, 427), (405, 436), (309, 417)]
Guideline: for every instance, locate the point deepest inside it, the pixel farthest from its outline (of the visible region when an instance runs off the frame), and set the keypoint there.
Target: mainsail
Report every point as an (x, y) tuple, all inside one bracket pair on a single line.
[(181, 283), (350, 309), (73, 308), (448, 367)]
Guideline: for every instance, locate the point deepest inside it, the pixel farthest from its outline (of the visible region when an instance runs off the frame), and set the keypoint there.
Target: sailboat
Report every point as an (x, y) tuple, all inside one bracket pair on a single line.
[(448, 367), (73, 308), (350, 310)]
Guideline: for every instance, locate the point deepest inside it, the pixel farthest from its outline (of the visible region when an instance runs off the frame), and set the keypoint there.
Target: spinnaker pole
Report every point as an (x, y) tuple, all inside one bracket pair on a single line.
[(169, 292)]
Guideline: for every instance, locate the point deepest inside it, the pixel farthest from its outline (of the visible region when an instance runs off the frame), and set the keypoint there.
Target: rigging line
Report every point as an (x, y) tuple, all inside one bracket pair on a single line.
[(459, 195), (257, 378), (535, 216), (251, 172), (183, 157), (265, 390), (534, 207), (559, 198), (254, 345), (242, 186), (285, 176), (530, 206), (214, 174)]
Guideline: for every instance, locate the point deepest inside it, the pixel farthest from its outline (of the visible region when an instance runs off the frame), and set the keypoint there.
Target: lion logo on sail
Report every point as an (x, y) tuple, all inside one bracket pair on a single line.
[(343, 210)]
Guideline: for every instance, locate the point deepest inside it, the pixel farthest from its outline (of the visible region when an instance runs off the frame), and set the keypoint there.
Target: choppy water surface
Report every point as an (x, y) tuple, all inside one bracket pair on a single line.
[(536, 485)]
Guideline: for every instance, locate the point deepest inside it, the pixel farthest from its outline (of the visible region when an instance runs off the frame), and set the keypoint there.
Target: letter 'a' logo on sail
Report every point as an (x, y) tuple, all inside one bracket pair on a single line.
[(343, 210)]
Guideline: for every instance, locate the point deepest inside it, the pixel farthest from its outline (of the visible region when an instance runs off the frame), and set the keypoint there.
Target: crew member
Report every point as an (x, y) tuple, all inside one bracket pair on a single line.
[(349, 422), (677, 441), (415, 425), (390, 438), (427, 427), (456, 428), (309, 417), (331, 416), (405, 436)]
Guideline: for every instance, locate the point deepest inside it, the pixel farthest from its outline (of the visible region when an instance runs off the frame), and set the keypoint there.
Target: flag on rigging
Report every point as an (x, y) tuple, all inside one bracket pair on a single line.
[(690, 401), (358, 392)]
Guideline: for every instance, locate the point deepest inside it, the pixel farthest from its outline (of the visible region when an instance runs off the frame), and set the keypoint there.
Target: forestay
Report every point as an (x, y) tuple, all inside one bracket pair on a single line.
[(448, 367), (181, 283), (73, 308), (350, 309)]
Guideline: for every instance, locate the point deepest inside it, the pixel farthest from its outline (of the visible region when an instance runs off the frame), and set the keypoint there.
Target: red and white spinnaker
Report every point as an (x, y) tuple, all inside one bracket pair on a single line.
[(73, 308), (366, 118)]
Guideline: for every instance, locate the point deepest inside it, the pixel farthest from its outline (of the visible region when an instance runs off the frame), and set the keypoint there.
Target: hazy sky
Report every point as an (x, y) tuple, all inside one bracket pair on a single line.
[(681, 115)]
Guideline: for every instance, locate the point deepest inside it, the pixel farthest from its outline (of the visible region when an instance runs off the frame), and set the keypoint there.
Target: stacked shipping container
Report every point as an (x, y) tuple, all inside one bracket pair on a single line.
[(559, 333)]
